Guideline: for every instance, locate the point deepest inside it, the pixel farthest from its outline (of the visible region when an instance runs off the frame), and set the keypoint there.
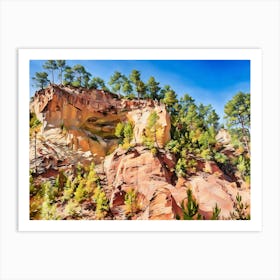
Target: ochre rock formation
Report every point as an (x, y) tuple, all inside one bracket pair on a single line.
[(140, 117), (150, 176), (90, 117)]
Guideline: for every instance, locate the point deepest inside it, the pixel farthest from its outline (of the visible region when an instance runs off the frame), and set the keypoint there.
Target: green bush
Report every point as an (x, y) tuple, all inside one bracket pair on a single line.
[(102, 203), (240, 209), (216, 213), (124, 131), (190, 209), (73, 209), (80, 193), (68, 191), (220, 158), (130, 201), (49, 210)]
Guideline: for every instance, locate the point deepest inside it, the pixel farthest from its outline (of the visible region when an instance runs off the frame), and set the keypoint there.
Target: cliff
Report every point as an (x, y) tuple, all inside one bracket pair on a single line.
[(90, 117)]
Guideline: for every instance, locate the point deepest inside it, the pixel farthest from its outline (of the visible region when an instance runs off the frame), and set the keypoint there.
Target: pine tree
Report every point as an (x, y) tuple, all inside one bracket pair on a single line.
[(153, 88), (116, 82), (237, 114), (61, 65), (140, 87), (51, 66), (41, 79), (127, 88), (68, 76), (98, 83), (81, 75), (170, 97)]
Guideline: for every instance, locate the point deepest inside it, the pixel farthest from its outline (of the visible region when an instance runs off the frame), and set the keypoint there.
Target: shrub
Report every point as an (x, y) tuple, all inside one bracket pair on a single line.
[(191, 166), (190, 209), (49, 191), (131, 204), (91, 179), (73, 209), (48, 210), (119, 131), (153, 131), (102, 203), (80, 193), (33, 189), (68, 192), (243, 166), (124, 131), (128, 132), (220, 158), (181, 167), (206, 154), (35, 207), (240, 209), (33, 121), (216, 212)]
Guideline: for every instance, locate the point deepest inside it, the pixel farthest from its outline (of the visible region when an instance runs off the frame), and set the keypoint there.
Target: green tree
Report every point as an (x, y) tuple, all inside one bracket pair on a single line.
[(41, 79), (170, 97), (51, 66), (116, 82), (140, 87), (208, 116), (61, 65), (153, 88), (237, 114), (128, 132), (98, 83), (124, 131), (127, 88), (152, 126), (81, 75), (86, 79), (213, 119), (68, 75)]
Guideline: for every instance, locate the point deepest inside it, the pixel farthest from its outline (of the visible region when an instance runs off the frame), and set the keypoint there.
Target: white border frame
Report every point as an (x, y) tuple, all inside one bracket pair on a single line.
[(254, 55)]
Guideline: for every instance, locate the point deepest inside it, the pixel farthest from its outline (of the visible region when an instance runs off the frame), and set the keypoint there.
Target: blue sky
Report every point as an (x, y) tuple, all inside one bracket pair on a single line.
[(207, 81)]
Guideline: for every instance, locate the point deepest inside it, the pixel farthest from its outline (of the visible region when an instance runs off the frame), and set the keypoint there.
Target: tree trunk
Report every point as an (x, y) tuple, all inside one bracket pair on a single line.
[(245, 136)]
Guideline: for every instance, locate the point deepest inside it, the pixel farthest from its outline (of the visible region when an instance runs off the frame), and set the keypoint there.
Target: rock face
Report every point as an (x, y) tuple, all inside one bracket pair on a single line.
[(53, 154), (90, 117), (150, 176), (210, 190), (140, 118), (223, 137)]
